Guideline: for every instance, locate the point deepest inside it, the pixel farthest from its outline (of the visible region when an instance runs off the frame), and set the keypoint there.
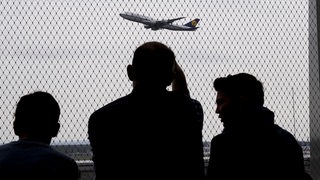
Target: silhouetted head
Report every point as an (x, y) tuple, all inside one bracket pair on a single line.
[(152, 65), (37, 115), (236, 94)]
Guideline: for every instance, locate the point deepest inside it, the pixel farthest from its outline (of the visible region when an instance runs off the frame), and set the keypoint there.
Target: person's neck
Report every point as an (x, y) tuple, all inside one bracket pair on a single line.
[(149, 88), (35, 139)]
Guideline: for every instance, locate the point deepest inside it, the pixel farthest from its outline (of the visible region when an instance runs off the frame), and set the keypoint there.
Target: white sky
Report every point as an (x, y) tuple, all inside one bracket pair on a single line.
[(78, 51)]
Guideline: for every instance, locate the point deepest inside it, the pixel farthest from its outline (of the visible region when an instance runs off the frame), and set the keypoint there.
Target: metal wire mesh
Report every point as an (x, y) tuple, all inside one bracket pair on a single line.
[(78, 51)]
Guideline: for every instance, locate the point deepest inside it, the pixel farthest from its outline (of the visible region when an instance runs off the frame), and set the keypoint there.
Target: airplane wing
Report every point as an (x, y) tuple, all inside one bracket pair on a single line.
[(175, 19), (160, 23)]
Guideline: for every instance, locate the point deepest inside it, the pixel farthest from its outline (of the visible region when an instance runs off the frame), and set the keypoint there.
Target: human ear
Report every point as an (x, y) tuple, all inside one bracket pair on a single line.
[(130, 72), (55, 130)]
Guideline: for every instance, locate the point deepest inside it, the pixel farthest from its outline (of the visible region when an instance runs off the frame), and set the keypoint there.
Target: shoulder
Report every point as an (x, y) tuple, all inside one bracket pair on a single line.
[(61, 160), (197, 105), (7, 149), (219, 145), (62, 156), (36, 152), (112, 106), (51, 152), (286, 139), (218, 139), (183, 102), (284, 134), (65, 166), (6, 146), (184, 99), (227, 140)]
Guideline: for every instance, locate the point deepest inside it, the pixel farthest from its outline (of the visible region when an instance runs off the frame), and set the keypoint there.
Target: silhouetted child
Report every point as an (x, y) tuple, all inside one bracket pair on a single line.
[(31, 157)]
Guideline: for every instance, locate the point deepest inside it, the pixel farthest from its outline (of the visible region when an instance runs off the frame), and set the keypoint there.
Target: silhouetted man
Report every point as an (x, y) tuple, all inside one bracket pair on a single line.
[(31, 157), (251, 146), (152, 133)]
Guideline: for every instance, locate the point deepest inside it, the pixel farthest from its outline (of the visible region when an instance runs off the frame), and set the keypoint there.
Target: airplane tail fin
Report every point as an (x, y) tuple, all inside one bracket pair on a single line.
[(193, 23)]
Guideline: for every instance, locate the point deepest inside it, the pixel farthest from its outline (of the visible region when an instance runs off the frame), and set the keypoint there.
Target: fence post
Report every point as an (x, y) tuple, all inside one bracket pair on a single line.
[(314, 90)]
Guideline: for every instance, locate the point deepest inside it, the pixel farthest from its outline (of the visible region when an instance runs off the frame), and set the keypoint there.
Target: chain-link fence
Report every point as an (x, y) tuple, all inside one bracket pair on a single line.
[(78, 51)]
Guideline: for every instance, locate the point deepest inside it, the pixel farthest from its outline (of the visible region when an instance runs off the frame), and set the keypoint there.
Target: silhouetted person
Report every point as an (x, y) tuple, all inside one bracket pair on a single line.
[(31, 157), (151, 133), (251, 146)]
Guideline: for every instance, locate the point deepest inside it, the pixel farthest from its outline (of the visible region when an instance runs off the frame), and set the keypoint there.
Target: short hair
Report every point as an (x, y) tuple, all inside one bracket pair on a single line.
[(36, 113), (153, 62), (242, 84)]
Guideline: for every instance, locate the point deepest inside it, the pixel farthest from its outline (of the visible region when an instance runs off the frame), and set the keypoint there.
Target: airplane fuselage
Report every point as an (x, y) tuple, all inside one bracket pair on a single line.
[(150, 23), (139, 18)]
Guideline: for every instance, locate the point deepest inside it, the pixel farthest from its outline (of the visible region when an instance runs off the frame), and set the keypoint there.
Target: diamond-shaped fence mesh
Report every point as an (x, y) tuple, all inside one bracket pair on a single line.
[(78, 51)]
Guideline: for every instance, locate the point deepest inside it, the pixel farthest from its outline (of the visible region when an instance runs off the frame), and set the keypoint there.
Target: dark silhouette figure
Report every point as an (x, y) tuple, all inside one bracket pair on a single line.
[(251, 146), (31, 157), (151, 133)]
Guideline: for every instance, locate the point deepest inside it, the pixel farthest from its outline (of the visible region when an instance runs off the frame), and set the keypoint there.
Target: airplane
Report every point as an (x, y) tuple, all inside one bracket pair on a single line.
[(153, 24)]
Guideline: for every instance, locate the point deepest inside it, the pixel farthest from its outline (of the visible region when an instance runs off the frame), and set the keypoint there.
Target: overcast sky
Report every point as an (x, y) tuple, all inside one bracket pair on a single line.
[(78, 51)]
